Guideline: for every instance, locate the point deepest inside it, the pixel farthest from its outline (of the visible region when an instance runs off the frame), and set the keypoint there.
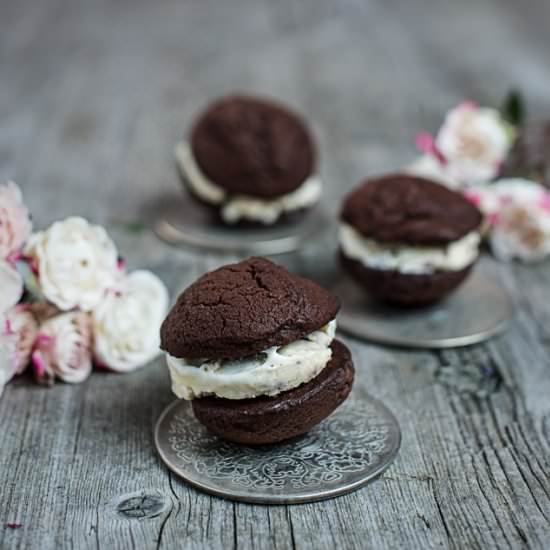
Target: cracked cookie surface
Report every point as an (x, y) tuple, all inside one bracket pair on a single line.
[(242, 309), (409, 209)]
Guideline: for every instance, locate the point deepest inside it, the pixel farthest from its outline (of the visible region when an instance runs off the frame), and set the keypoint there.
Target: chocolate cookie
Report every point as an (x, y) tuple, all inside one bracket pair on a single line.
[(242, 309), (409, 209), (404, 228), (404, 288), (253, 147), (271, 419)]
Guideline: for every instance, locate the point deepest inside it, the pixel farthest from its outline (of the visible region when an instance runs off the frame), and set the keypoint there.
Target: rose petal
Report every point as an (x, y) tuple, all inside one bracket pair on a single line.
[(424, 142), (11, 286), (15, 223), (24, 327), (8, 342)]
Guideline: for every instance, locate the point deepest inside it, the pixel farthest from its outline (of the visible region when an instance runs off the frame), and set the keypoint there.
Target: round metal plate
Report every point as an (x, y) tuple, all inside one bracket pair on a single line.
[(185, 223), (478, 310), (348, 449)]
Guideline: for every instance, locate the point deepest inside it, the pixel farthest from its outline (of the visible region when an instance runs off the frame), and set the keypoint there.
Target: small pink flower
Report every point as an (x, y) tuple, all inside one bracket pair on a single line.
[(21, 323), (473, 197), (63, 349), (15, 223), (426, 144)]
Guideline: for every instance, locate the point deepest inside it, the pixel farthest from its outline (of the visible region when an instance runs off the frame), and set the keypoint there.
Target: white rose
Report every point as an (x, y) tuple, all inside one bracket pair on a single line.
[(472, 143), (63, 349), (127, 322), (11, 286), (75, 262)]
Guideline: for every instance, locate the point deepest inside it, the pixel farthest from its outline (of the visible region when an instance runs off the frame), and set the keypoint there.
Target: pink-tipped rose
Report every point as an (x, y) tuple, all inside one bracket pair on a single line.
[(63, 349), (15, 223), (21, 322)]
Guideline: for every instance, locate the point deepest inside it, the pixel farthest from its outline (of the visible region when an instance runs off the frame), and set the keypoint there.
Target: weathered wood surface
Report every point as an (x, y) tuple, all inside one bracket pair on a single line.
[(93, 95)]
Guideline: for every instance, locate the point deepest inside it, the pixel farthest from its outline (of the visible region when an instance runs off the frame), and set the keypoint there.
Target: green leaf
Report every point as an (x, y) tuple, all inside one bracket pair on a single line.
[(513, 108)]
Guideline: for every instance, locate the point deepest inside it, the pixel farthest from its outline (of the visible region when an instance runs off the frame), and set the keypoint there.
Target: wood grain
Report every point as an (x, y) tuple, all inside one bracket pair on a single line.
[(93, 97)]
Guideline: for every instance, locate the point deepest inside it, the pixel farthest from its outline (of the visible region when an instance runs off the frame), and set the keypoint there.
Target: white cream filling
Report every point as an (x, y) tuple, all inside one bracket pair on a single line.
[(273, 371), (409, 259), (244, 207)]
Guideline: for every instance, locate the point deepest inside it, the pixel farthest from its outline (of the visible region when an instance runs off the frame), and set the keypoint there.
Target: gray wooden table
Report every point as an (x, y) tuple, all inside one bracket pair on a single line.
[(93, 96)]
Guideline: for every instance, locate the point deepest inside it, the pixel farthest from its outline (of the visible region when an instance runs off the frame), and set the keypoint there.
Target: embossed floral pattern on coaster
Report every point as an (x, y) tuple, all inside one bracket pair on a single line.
[(345, 451)]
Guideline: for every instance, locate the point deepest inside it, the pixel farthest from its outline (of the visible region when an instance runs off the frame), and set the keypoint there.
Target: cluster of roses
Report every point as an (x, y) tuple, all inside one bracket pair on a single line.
[(67, 301), (468, 153)]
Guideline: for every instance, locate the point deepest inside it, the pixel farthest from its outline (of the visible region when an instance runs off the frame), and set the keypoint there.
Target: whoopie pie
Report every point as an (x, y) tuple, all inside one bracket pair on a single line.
[(251, 159), (407, 239), (252, 346)]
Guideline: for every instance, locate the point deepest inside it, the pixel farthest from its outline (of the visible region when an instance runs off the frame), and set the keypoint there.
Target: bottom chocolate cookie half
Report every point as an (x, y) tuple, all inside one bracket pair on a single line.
[(405, 289), (266, 420)]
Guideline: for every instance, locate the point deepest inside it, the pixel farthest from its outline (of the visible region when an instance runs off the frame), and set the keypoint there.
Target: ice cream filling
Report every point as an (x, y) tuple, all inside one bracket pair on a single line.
[(405, 258), (270, 372), (235, 207)]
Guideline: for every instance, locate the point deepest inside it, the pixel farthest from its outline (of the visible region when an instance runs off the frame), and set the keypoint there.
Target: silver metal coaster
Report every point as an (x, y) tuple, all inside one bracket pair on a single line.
[(184, 223), (478, 310), (348, 449)]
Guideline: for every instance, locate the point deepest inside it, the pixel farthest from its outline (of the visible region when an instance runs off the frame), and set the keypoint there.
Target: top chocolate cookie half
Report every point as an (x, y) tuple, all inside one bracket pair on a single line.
[(253, 147), (242, 309), (409, 209)]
